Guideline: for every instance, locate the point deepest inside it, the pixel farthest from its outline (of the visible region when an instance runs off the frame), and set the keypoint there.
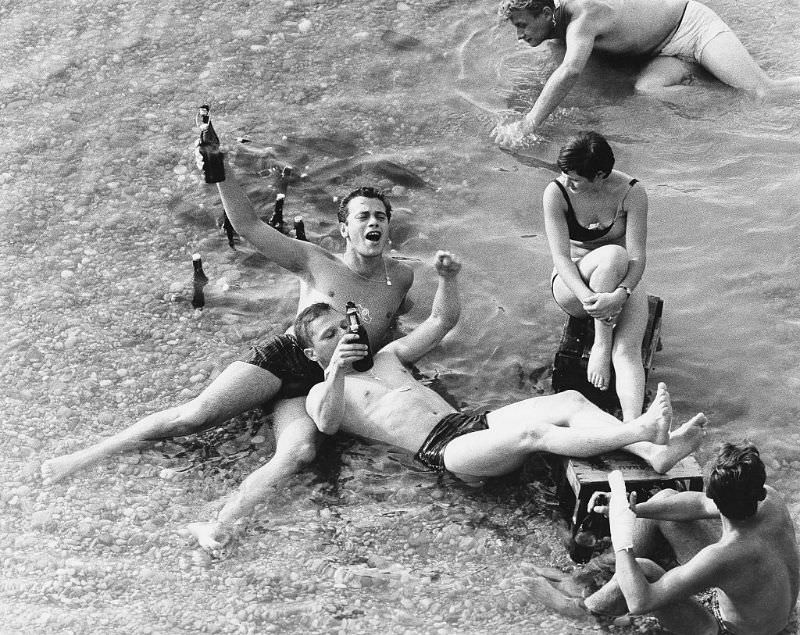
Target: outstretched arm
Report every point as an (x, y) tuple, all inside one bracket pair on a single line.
[(581, 33), (295, 255), (444, 315), (580, 36)]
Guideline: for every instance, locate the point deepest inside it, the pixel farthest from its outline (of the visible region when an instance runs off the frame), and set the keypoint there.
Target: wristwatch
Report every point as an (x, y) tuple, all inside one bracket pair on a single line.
[(628, 290)]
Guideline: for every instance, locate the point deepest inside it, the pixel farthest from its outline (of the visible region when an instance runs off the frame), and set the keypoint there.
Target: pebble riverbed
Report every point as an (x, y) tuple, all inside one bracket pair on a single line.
[(101, 210)]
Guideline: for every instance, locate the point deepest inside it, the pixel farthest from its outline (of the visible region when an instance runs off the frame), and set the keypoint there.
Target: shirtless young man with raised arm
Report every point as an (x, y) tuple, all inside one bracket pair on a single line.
[(277, 370), (674, 33), (387, 404)]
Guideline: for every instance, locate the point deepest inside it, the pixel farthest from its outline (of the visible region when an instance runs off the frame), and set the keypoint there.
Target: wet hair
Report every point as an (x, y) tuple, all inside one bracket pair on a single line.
[(736, 483), (302, 323), (366, 192), (534, 6), (587, 153)]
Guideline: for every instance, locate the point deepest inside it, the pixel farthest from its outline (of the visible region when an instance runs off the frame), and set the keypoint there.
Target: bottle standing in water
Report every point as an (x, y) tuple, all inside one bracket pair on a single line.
[(213, 166), (276, 221), (586, 538), (354, 321), (300, 228), (200, 280)]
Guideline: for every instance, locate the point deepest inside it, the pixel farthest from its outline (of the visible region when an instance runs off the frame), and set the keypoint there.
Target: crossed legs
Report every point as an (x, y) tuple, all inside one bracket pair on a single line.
[(568, 424)]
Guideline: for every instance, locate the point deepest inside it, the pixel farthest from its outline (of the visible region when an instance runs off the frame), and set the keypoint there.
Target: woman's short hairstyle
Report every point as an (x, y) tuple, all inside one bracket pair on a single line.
[(586, 154), (535, 6), (302, 323), (736, 483), (365, 192)]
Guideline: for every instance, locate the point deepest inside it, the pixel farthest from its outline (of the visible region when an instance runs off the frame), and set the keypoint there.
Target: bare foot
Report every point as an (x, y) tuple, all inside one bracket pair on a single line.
[(563, 582), (209, 535), (682, 443), (658, 418), (53, 470), (553, 599), (598, 370)]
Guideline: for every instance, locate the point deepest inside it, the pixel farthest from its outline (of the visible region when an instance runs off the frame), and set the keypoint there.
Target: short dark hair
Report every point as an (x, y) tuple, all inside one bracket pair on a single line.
[(366, 192), (736, 483), (587, 153), (535, 6), (302, 323)]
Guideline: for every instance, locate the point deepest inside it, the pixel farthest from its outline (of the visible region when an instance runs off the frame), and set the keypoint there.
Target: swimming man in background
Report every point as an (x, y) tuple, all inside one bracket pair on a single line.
[(674, 34)]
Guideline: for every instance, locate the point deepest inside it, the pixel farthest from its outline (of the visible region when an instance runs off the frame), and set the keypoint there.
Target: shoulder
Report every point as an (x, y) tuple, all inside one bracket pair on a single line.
[(553, 195), (590, 14)]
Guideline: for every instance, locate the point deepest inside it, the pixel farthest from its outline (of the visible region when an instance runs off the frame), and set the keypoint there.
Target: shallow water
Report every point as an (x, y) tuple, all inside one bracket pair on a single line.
[(102, 210)]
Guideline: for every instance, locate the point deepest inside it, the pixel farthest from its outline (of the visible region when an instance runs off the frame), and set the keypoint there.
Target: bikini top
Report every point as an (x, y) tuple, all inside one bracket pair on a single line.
[(578, 232)]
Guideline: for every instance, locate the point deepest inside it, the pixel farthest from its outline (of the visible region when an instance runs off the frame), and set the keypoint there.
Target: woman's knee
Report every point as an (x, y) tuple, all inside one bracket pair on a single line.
[(612, 256)]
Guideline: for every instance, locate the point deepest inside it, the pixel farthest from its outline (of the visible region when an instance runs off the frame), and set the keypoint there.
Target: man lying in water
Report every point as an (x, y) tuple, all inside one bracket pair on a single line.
[(674, 34), (387, 404), (275, 370), (748, 558)]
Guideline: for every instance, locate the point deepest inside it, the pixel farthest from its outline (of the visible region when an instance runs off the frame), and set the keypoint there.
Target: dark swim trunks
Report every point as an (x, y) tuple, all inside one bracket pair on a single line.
[(711, 602), (454, 425), (282, 356)]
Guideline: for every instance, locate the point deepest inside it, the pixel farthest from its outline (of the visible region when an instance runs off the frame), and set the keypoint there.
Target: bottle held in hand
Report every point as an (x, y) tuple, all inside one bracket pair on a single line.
[(213, 165), (357, 327)]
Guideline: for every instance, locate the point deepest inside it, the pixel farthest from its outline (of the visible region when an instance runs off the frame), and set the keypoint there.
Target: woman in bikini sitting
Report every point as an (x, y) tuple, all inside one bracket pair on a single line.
[(596, 223)]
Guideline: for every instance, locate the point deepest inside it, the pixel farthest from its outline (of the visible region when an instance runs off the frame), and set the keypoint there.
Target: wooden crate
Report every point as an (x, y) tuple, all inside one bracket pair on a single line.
[(580, 478), (572, 357)]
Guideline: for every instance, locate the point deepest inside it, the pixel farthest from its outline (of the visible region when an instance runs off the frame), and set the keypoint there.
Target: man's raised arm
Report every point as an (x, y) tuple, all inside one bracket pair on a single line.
[(286, 252), (444, 315)]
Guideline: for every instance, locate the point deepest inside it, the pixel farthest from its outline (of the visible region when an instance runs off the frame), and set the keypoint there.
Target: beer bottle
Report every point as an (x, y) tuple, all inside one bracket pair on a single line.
[(587, 535), (213, 166), (355, 326), (276, 220), (199, 281), (300, 228)]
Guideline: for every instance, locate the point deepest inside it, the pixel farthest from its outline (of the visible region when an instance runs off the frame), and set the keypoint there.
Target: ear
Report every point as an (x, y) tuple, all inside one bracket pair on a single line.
[(309, 352), (547, 12), (343, 231)]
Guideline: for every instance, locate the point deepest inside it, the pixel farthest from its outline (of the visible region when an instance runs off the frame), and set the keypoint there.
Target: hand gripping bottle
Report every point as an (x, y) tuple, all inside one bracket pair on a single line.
[(354, 321), (213, 166)]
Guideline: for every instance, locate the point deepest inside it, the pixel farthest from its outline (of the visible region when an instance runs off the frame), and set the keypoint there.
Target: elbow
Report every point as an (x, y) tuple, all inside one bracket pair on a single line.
[(328, 428)]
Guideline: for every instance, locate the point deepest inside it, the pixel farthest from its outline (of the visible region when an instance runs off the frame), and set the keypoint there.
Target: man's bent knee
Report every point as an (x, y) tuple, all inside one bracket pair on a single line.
[(299, 453)]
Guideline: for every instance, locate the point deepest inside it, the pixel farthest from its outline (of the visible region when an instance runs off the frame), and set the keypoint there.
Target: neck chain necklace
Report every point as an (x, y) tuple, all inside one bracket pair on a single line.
[(385, 274)]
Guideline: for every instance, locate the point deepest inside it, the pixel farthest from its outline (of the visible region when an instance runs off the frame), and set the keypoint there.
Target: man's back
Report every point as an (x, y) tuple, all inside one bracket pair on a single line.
[(628, 27), (759, 569)]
